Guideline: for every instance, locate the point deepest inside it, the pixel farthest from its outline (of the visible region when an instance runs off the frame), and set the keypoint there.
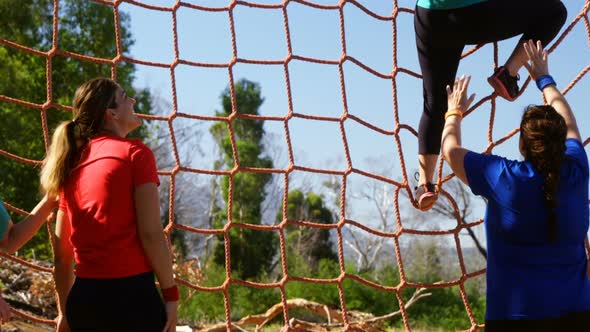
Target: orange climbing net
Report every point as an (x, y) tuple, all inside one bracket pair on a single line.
[(237, 168)]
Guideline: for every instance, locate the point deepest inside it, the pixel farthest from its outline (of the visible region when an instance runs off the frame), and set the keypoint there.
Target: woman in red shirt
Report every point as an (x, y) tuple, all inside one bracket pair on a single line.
[(108, 219)]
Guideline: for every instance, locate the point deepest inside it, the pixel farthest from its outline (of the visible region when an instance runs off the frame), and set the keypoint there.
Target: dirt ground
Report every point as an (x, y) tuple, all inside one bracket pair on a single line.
[(16, 325)]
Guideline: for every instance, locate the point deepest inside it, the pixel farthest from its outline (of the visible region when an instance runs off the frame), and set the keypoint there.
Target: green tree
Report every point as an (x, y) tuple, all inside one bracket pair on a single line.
[(309, 243), (252, 252), (425, 262), (86, 28)]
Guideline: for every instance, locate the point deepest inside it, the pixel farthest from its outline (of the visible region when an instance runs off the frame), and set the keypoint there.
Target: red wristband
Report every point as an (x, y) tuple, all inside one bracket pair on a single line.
[(170, 294)]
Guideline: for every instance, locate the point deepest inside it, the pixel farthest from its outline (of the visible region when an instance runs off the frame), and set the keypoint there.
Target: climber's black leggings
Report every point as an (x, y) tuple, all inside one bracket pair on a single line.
[(441, 36)]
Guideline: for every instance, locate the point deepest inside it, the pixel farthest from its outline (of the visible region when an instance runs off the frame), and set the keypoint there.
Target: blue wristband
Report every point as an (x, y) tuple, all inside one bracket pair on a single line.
[(544, 81)]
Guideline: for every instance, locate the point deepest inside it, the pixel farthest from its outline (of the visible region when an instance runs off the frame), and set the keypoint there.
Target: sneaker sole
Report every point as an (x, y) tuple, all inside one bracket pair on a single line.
[(499, 88), (425, 198)]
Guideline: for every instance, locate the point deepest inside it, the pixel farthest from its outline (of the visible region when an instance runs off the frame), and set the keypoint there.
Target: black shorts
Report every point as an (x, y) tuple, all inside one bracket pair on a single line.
[(122, 304)]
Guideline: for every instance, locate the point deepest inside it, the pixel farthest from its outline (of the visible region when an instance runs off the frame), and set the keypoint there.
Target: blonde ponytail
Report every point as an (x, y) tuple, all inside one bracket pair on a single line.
[(60, 159)]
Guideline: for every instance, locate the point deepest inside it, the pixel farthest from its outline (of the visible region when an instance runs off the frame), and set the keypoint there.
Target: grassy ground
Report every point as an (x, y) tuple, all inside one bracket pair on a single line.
[(274, 328)]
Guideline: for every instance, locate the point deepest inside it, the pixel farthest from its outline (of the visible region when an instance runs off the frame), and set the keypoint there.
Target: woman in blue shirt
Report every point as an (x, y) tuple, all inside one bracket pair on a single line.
[(443, 28), (14, 236), (537, 212)]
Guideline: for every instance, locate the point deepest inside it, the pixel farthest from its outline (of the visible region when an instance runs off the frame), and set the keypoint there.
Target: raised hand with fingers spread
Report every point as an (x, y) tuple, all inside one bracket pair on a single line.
[(457, 96), (537, 65)]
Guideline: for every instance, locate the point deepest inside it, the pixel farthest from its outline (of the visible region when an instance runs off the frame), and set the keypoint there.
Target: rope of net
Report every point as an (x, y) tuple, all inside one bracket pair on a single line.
[(404, 185)]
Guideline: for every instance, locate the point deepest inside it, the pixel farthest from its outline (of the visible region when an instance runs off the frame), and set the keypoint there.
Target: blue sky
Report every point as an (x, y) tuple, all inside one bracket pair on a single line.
[(260, 34)]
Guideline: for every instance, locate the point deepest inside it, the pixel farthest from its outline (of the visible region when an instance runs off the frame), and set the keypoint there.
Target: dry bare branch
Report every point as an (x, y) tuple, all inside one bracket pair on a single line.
[(359, 321)]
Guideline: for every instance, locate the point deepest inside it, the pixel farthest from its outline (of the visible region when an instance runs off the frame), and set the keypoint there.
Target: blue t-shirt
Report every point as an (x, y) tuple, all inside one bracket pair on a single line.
[(4, 220), (446, 4), (527, 276)]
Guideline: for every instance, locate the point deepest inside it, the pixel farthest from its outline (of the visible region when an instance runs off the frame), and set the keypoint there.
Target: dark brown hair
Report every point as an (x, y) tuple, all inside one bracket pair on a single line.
[(543, 133)]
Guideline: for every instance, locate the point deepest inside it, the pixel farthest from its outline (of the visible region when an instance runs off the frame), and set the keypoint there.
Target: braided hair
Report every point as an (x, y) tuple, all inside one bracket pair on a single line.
[(543, 133)]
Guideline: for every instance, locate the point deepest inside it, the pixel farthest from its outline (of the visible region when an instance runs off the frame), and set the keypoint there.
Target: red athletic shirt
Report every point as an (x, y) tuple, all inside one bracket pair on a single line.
[(98, 199)]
